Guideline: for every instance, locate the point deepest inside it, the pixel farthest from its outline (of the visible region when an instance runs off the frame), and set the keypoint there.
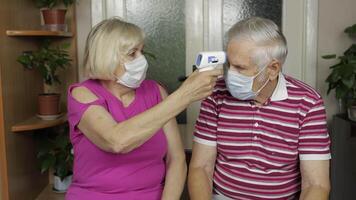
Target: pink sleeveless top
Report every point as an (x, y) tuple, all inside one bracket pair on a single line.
[(100, 175)]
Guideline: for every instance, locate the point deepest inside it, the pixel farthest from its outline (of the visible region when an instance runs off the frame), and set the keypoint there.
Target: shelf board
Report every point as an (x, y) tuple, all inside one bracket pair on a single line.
[(35, 123), (47, 194), (39, 33)]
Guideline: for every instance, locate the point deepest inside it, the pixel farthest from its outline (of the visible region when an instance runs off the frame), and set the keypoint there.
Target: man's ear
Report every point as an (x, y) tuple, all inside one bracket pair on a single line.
[(273, 69)]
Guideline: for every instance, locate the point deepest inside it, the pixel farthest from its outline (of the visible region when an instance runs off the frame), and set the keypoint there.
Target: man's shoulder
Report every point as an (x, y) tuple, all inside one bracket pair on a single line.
[(298, 88), (220, 88)]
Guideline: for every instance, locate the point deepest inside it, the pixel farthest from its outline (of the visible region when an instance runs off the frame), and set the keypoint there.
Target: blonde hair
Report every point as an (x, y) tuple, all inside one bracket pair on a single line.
[(106, 42)]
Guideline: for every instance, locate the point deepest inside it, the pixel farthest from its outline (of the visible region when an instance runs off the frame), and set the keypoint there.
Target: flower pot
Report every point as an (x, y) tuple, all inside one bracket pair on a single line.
[(342, 106), (54, 19), (351, 111), (54, 16), (48, 104), (61, 185)]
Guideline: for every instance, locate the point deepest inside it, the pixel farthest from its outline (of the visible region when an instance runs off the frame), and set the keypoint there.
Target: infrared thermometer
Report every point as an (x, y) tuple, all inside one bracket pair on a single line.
[(208, 60)]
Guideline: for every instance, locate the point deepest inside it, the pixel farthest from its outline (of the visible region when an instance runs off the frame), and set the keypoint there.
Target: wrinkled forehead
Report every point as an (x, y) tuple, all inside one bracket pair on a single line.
[(239, 52)]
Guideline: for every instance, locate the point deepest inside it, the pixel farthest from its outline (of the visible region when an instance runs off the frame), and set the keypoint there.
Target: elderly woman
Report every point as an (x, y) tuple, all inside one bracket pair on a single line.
[(123, 128)]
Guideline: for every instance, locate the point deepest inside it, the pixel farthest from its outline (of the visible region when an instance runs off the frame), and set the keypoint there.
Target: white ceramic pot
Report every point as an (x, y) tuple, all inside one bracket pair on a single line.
[(61, 185), (352, 113)]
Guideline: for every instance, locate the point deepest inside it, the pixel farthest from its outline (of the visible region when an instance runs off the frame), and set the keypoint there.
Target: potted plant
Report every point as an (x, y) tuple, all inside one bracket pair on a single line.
[(54, 18), (342, 78), (47, 60), (55, 152)]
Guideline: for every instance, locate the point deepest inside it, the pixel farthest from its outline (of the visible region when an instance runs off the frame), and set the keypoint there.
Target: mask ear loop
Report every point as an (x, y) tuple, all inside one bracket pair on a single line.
[(264, 85), (225, 69)]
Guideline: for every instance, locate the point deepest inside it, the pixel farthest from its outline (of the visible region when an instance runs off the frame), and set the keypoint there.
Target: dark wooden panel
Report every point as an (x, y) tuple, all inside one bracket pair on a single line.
[(19, 91), (3, 166), (21, 178)]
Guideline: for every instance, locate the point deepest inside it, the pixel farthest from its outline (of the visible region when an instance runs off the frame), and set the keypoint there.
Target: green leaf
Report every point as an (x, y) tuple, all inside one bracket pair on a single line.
[(61, 141), (55, 151), (348, 59), (346, 70), (42, 154), (349, 82), (351, 30), (43, 71), (351, 50), (342, 78), (341, 91), (334, 76), (26, 59), (65, 45), (53, 3), (47, 163), (47, 60), (331, 56), (68, 2)]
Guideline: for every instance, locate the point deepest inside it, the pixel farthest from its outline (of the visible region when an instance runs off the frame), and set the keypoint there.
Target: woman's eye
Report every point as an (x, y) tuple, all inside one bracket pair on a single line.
[(132, 54)]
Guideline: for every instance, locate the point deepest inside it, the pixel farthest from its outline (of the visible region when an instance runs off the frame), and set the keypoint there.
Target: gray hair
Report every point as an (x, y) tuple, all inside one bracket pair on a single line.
[(106, 42), (266, 35)]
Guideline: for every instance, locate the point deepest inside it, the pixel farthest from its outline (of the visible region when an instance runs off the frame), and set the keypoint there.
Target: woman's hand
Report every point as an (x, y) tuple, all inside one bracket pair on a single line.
[(199, 85)]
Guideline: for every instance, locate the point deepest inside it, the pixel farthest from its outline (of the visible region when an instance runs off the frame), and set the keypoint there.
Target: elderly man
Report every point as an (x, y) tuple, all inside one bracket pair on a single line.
[(261, 134)]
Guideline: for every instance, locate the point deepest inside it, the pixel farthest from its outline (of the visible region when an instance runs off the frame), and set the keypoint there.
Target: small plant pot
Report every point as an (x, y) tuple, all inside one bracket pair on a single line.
[(54, 16), (48, 104), (61, 185), (351, 111)]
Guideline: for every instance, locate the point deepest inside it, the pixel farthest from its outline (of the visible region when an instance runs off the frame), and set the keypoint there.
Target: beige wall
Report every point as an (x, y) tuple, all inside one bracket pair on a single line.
[(83, 27), (334, 17)]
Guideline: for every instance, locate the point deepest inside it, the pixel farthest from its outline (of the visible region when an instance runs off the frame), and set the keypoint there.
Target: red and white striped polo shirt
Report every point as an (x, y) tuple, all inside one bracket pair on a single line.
[(259, 148)]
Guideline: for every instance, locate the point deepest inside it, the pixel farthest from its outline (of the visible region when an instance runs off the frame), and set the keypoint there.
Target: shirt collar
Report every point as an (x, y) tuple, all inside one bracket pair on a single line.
[(280, 92)]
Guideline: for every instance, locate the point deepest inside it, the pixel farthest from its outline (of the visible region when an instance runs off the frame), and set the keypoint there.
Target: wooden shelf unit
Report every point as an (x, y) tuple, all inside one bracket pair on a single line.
[(39, 33), (35, 123), (19, 174)]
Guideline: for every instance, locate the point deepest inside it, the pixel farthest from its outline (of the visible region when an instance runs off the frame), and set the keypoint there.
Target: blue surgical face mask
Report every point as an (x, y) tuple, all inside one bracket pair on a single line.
[(240, 86)]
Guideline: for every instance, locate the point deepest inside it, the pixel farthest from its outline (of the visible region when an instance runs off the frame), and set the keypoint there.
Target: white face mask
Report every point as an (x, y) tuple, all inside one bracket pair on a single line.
[(240, 86), (135, 72)]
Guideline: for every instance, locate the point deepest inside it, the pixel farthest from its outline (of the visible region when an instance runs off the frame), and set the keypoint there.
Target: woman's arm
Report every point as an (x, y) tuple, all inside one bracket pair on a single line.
[(175, 161), (101, 129)]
